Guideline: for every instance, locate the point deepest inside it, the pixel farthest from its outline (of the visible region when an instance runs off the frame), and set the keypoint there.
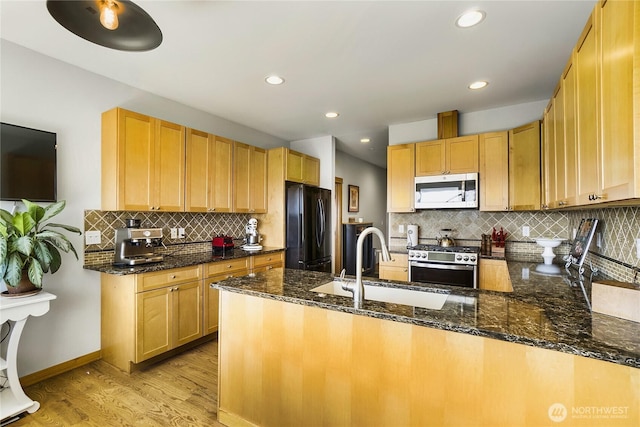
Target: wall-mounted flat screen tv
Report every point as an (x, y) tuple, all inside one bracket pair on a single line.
[(27, 164)]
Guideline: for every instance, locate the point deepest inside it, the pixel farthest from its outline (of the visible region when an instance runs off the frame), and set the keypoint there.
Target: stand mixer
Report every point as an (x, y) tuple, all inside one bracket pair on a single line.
[(252, 237)]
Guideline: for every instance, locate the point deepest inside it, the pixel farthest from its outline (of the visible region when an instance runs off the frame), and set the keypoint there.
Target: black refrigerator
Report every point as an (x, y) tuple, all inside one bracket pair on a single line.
[(308, 230)]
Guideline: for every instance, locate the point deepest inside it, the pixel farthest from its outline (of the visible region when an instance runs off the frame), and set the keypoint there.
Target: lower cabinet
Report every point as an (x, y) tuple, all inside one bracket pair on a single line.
[(494, 275), (215, 272), (144, 315), (266, 262), (396, 269)]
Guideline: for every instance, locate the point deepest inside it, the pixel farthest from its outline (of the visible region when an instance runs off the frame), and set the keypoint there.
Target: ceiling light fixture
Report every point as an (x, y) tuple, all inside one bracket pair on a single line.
[(274, 80), (470, 18), (365, 140), (478, 85), (109, 14), (116, 24), (331, 115)]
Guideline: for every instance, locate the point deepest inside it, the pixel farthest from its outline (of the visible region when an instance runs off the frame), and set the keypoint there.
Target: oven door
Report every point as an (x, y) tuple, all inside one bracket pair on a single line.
[(445, 274)]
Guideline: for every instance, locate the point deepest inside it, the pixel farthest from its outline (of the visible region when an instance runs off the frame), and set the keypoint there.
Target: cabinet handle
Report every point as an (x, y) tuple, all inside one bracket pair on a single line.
[(229, 276), (229, 266), (173, 276), (269, 267), (595, 196)]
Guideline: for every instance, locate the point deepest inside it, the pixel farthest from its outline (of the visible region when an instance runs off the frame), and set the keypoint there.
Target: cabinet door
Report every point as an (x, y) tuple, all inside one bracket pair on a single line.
[(430, 158), (135, 161), (311, 170), (258, 180), (587, 115), (400, 178), (524, 167), (169, 167), (186, 313), (295, 166), (211, 305), (241, 168), (493, 275), (199, 170), (570, 140), (153, 323), (494, 171), (559, 149), (221, 187), (462, 154), (550, 149), (616, 19)]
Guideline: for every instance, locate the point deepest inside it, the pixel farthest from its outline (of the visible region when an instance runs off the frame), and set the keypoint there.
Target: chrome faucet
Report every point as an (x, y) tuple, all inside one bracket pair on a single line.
[(358, 288)]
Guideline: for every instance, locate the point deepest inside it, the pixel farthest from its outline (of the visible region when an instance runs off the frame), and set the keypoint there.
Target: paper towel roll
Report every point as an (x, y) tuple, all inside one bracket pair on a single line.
[(412, 235)]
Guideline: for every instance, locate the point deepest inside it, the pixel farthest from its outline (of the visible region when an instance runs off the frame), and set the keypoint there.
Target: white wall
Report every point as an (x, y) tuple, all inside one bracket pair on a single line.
[(470, 123), (40, 92), (372, 181)]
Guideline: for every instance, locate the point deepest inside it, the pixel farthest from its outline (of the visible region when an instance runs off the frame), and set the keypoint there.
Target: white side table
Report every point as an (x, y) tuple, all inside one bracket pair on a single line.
[(13, 401)]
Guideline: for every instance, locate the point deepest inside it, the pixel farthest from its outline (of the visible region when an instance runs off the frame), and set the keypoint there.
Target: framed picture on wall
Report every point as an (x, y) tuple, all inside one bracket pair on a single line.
[(354, 198)]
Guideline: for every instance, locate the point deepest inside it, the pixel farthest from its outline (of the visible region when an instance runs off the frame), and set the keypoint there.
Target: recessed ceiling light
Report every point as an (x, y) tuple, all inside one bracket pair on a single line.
[(274, 80), (331, 115), (471, 18), (365, 140), (478, 85)]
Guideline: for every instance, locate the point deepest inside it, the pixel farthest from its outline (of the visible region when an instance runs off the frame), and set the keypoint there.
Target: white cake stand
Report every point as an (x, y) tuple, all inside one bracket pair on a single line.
[(548, 245)]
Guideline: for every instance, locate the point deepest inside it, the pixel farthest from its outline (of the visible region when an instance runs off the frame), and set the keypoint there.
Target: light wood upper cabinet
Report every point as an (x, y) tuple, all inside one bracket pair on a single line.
[(494, 171), (619, 96), (250, 179), (401, 178), (143, 161), (586, 63), (570, 135), (559, 149), (302, 168), (448, 156), (524, 167)]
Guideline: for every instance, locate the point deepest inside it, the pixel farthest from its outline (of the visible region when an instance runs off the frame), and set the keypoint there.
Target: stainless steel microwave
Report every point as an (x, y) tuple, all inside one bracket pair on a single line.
[(454, 191)]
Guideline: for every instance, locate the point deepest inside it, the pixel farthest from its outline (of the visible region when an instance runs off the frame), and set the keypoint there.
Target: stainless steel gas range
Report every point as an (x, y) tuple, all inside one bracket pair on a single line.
[(452, 265)]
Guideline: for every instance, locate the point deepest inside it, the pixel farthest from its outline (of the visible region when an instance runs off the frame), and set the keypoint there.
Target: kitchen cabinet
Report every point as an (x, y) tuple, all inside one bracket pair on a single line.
[(265, 262), (397, 269), (510, 169), (302, 168), (208, 172), (250, 179), (493, 275), (524, 167), (146, 315), (213, 273), (447, 156), (619, 154), (494, 171), (401, 178), (143, 163)]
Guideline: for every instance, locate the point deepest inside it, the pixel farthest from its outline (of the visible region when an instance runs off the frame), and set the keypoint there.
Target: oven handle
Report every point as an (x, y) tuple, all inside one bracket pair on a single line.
[(441, 266)]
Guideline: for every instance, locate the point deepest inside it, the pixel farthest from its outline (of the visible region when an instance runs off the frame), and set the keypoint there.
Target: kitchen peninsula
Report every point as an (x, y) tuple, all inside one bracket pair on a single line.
[(290, 356)]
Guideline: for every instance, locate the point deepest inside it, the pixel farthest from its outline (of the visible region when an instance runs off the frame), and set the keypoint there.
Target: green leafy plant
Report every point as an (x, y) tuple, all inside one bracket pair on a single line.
[(27, 242)]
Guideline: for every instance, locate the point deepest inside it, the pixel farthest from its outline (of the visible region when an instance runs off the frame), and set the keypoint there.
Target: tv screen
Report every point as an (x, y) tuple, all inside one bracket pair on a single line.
[(27, 164)]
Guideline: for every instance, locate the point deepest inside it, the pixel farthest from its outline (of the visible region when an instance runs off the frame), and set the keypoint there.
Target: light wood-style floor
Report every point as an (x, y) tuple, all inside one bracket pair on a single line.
[(180, 391)]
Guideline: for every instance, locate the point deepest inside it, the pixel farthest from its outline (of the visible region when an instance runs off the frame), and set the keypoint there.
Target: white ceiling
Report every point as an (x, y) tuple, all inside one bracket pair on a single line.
[(375, 62)]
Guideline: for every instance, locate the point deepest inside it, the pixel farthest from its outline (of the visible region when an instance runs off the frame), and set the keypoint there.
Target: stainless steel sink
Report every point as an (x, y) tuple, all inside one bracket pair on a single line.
[(411, 297)]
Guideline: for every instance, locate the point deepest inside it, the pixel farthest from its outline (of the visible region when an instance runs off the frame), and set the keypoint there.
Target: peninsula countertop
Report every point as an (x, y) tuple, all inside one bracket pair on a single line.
[(543, 311), (181, 260)]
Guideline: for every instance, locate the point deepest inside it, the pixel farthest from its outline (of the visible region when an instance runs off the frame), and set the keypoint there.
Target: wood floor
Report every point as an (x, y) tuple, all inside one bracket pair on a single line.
[(181, 391)]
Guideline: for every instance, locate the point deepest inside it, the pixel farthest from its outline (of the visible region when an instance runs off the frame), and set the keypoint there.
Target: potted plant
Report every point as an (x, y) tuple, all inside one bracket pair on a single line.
[(29, 247)]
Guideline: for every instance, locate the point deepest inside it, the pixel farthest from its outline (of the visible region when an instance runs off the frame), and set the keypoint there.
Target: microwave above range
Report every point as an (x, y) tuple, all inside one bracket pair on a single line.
[(454, 191)]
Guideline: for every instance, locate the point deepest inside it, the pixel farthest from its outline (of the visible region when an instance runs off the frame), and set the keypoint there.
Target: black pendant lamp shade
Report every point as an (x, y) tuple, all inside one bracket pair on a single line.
[(136, 31)]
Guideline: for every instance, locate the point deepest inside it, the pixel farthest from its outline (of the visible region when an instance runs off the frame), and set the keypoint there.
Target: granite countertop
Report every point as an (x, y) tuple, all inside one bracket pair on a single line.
[(177, 261), (543, 311)]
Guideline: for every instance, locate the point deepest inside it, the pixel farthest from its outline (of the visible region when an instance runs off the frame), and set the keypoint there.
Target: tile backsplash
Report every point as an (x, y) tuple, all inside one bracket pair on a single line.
[(199, 229), (618, 228)]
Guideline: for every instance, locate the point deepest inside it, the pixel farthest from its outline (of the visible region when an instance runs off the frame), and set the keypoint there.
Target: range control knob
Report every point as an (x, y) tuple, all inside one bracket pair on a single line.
[(466, 258), (424, 255), (472, 258), (458, 257)]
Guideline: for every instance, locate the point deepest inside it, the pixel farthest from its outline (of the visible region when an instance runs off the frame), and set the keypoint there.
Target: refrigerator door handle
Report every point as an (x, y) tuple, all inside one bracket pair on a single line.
[(319, 222)]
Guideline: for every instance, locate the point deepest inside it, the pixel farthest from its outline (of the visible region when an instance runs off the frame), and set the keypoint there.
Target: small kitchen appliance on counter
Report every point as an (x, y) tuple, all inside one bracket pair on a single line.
[(135, 246), (252, 237), (220, 244), (412, 235)]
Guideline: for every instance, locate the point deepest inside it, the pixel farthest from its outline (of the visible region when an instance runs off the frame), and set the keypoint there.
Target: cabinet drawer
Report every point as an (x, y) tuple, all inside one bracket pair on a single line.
[(240, 265), (164, 278), (273, 260)]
